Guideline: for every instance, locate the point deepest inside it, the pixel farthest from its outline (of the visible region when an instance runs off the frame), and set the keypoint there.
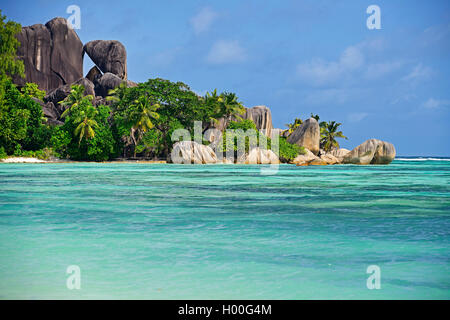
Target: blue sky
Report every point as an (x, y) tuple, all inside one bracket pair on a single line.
[(296, 57)]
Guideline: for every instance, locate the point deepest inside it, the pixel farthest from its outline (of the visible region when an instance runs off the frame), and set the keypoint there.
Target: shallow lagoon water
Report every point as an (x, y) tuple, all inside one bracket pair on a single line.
[(156, 231)]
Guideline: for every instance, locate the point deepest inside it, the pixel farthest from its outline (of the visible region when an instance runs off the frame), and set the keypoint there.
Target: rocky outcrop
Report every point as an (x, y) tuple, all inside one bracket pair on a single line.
[(261, 117), (306, 159), (192, 152), (109, 55), (339, 153), (372, 151), (260, 156), (105, 83), (94, 74), (52, 54), (329, 158), (59, 94), (307, 135)]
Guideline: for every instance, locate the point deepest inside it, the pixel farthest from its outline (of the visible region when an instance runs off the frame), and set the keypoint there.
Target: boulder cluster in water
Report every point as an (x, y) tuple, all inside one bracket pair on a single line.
[(53, 58)]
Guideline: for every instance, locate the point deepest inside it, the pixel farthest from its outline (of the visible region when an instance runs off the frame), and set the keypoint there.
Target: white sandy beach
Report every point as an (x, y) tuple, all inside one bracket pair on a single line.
[(22, 160)]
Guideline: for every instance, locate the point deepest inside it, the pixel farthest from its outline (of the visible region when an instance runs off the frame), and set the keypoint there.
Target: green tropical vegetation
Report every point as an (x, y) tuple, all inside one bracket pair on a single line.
[(9, 64), (133, 122), (328, 134)]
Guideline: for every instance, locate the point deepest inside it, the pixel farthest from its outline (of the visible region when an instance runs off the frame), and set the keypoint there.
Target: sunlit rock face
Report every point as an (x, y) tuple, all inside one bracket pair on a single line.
[(261, 117), (187, 152), (52, 54), (307, 135), (372, 151)]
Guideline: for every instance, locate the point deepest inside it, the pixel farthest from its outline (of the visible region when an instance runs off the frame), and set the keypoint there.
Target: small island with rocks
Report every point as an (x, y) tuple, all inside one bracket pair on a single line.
[(51, 112)]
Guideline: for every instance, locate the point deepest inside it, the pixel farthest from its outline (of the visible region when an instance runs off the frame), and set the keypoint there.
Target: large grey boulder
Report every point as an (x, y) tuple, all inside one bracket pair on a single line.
[(52, 54), (105, 83), (185, 152), (109, 81), (260, 156), (308, 158), (339, 153), (109, 56), (329, 158), (59, 94), (372, 151), (307, 135), (262, 117)]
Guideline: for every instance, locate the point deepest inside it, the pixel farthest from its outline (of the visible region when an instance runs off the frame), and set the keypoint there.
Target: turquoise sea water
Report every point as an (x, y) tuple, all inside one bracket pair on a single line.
[(153, 231)]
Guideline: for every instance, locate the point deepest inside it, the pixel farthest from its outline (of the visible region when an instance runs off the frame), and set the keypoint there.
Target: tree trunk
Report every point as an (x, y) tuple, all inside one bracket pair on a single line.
[(134, 141)]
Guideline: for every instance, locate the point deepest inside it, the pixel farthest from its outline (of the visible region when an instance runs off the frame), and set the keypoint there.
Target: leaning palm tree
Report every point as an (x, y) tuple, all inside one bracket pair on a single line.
[(85, 124), (74, 99), (142, 118), (329, 134)]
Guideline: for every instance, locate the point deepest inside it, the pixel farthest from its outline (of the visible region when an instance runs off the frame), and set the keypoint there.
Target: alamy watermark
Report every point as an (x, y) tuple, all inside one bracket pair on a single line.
[(249, 146), (374, 280), (74, 279), (374, 20), (74, 20)]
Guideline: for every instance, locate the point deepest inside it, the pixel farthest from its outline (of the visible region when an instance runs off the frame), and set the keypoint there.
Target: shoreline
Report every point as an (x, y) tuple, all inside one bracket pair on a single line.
[(32, 160)]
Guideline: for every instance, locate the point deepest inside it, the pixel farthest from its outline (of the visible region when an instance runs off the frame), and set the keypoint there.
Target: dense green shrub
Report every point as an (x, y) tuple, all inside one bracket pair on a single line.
[(21, 120), (3, 154), (288, 151)]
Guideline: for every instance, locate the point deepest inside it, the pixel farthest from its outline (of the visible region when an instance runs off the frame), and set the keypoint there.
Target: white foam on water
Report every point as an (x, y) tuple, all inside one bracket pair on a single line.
[(422, 159)]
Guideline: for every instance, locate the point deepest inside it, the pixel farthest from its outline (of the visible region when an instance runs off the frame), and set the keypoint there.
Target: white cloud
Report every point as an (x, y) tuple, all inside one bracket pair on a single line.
[(319, 71), (418, 73), (435, 104), (226, 51), (378, 70), (203, 20), (358, 116)]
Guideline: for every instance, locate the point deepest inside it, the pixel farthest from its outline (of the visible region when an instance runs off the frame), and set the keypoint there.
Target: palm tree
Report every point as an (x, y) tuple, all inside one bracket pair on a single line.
[(213, 103), (142, 118), (292, 126), (315, 116), (230, 105), (85, 124), (74, 98), (117, 94), (328, 134)]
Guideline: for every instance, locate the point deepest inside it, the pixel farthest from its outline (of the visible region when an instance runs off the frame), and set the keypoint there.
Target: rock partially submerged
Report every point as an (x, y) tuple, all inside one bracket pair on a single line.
[(372, 151), (307, 135), (329, 158), (339, 153), (192, 152), (306, 159)]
